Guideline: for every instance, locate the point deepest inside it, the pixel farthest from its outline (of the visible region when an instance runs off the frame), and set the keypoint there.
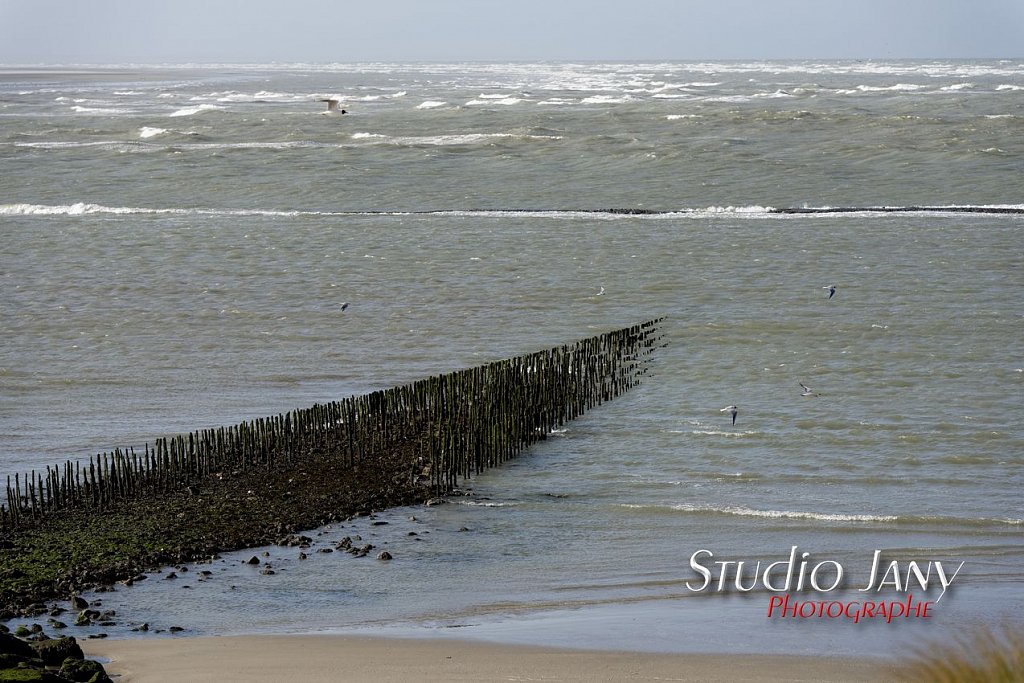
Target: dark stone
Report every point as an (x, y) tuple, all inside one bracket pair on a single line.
[(176, 629), (12, 661), (79, 603), (83, 671), (31, 676), (384, 555), (253, 560), (380, 523), (9, 645), (54, 652)]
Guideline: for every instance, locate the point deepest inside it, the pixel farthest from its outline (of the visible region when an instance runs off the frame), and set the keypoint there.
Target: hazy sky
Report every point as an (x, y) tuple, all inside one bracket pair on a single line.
[(111, 31)]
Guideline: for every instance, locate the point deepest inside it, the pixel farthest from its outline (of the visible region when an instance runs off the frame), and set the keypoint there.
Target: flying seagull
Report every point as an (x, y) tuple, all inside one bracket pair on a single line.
[(332, 106), (807, 391), (831, 290), (730, 409)]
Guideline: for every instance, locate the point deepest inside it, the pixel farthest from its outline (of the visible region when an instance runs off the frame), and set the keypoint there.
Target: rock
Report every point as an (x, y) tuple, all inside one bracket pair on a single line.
[(176, 629), (58, 624), (172, 575), (436, 501), (83, 671), (79, 603), (292, 540), (31, 675), (54, 652), (267, 572), (9, 645), (12, 662), (94, 636), (253, 560), (22, 632), (326, 550), (302, 556), (384, 555), (380, 523)]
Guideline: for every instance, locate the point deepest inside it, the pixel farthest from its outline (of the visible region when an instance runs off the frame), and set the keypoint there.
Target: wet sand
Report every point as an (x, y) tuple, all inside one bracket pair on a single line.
[(323, 658)]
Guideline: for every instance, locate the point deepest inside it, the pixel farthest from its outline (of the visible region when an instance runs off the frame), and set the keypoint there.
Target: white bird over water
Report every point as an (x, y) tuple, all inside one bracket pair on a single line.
[(807, 391), (730, 409), (332, 106), (831, 290)]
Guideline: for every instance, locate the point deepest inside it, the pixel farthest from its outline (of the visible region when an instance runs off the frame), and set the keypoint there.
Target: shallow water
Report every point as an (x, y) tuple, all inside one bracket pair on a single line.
[(178, 243)]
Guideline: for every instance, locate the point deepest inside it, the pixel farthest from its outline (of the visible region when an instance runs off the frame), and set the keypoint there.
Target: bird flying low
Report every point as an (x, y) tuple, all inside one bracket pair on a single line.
[(807, 391), (730, 409), (332, 105)]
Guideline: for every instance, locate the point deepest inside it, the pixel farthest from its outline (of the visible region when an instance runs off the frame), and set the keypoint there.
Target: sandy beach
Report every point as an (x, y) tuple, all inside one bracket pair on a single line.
[(315, 658)]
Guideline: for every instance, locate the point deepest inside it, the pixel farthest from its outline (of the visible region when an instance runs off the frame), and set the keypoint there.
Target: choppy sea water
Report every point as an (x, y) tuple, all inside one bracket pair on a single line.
[(178, 241)]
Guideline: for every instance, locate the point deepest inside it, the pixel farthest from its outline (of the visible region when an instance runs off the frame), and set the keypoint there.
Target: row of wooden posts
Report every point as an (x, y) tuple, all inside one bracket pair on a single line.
[(455, 424)]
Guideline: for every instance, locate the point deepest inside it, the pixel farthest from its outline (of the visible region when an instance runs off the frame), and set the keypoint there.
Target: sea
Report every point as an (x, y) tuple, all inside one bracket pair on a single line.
[(177, 243)]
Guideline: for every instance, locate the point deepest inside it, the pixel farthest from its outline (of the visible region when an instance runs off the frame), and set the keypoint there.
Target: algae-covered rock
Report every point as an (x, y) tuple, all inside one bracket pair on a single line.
[(9, 645), (53, 652), (29, 676), (83, 671), (11, 661)]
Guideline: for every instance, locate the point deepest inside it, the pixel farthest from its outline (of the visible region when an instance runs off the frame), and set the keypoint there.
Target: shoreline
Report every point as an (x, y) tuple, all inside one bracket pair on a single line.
[(321, 658)]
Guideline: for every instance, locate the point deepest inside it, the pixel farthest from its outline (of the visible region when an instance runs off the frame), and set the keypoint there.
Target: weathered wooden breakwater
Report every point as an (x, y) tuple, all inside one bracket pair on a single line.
[(453, 425)]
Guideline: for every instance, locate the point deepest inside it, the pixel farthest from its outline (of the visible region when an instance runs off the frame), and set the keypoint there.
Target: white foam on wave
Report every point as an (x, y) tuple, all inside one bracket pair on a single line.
[(1008, 86), (101, 110), (192, 111), (607, 99), (444, 140), (151, 132), (486, 504), (772, 514), (899, 87), (678, 117), (85, 208), (557, 101), (505, 101), (431, 104)]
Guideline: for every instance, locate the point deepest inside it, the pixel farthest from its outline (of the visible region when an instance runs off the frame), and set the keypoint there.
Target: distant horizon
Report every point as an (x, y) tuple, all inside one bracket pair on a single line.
[(609, 60), (452, 31)]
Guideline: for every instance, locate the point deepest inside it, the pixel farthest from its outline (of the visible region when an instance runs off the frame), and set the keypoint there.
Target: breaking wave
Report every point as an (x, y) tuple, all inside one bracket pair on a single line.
[(85, 208)]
